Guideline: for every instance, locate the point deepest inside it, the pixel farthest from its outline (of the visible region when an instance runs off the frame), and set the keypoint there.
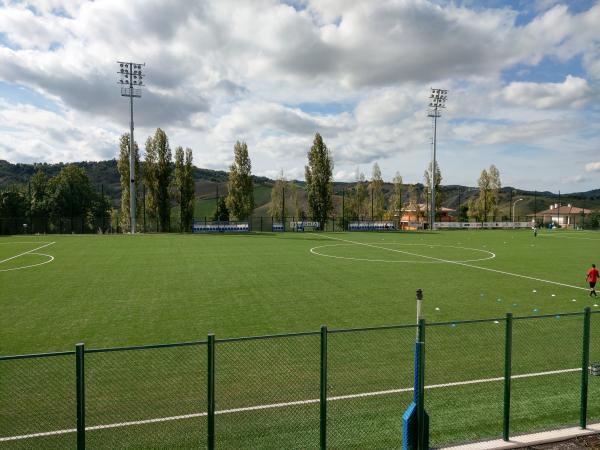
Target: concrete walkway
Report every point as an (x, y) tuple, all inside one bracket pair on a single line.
[(531, 439)]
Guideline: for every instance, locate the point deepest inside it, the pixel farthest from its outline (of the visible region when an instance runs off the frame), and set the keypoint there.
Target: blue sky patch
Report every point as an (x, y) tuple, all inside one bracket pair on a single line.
[(19, 94), (325, 109), (549, 70)]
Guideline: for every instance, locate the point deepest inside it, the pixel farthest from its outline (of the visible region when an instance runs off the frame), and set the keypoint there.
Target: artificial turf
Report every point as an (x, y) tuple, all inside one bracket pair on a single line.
[(130, 290)]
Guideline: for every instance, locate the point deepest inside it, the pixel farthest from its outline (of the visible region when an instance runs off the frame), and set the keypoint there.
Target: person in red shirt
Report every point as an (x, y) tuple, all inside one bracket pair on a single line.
[(592, 277)]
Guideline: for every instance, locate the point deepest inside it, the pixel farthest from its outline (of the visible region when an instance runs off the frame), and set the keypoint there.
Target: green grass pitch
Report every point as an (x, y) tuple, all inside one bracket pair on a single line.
[(129, 290)]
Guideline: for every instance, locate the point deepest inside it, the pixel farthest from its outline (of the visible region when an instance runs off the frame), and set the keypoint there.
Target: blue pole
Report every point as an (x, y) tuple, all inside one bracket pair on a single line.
[(415, 420)]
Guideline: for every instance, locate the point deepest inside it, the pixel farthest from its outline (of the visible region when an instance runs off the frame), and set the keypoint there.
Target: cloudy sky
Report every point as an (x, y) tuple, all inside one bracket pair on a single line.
[(523, 79)]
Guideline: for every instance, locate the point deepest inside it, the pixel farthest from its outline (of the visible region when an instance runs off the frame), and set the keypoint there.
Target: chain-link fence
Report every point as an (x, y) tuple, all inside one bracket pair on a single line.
[(338, 388), (147, 224)]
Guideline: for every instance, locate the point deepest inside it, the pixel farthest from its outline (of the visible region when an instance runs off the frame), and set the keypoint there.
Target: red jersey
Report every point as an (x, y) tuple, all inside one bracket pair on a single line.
[(592, 275)]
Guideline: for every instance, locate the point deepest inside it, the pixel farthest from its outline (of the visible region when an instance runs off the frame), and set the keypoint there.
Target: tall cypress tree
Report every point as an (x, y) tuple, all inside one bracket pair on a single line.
[(240, 198), (319, 176), (149, 176), (376, 190), (184, 183), (188, 190), (163, 178), (277, 198), (396, 206)]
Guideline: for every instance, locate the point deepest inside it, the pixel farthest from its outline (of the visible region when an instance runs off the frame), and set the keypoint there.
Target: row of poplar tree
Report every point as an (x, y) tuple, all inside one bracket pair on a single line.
[(367, 200), (158, 183), (162, 182), (362, 200)]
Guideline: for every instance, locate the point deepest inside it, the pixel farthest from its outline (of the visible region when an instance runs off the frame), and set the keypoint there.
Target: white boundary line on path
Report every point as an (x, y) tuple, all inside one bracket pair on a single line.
[(457, 263), (283, 405), (29, 251)]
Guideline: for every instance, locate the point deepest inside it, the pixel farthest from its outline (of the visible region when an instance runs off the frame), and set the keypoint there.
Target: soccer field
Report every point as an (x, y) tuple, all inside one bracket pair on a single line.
[(134, 290), (127, 290)]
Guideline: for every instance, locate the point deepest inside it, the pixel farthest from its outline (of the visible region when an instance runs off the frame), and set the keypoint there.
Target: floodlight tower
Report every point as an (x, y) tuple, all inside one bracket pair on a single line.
[(130, 79), (437, 101)]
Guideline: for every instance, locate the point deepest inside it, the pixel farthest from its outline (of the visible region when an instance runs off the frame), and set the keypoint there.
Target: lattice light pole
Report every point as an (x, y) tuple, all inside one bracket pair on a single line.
[(130, 79), (437, 101)]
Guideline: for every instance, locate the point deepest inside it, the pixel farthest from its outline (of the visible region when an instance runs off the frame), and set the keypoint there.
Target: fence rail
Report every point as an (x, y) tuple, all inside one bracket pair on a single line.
[(340, 388), (91, 225)]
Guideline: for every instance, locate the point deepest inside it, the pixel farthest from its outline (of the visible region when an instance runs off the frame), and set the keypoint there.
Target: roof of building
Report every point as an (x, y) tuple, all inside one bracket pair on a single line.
[(563, 210), (423, 207)]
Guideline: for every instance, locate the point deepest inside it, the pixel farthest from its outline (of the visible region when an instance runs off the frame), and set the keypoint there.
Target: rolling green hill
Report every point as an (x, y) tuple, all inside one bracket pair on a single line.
[(210, 183)]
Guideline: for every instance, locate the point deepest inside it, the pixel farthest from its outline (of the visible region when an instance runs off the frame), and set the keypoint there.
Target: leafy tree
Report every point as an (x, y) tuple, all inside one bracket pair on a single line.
[(495, 186), (184, 182), (40, 194), (221, 213), (437, 183), (489, 189), (123, 168), (473, 208), (295, 200), (396, 205), (100, 212), (71, 193), (413, 200), (376, 191), (13, 203), (463, 213), (278, 198), (161, 177), (319, 176), (189, 189), (240, 198), (150, 180), (359, 197), (483, 201)]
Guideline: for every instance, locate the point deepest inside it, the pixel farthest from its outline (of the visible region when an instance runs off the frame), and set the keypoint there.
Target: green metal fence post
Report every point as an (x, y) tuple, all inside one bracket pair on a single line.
[(507, 375), (80, 394), (211, 392), (323, 390), (585, 362)]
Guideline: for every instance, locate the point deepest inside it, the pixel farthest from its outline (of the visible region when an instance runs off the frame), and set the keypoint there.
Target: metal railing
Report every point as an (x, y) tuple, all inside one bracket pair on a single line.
[(342, 388)]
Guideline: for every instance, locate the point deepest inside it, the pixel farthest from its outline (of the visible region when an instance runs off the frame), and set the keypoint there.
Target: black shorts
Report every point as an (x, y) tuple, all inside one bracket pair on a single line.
[(592, 284)]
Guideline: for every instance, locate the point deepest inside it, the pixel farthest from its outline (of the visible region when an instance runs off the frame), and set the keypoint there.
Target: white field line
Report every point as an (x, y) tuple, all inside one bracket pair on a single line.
[(568, 237), (457, 263), (24, 242), (50, 259), (24, 253), (283, 405)]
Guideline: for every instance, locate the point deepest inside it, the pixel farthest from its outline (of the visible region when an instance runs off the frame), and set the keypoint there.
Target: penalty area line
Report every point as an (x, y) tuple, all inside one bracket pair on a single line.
[(457, 263), (284, 405)]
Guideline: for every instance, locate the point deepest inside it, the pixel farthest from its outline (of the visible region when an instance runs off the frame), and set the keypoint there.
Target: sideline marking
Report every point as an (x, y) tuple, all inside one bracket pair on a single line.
[(283, 405), (458, 263), (568, 237), (29, 251), (493, 255)]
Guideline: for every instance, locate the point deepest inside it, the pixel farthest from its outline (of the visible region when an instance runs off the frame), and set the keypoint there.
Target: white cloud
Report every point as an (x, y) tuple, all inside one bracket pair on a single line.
[(223, 70), (592, 167), (573, 92)]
